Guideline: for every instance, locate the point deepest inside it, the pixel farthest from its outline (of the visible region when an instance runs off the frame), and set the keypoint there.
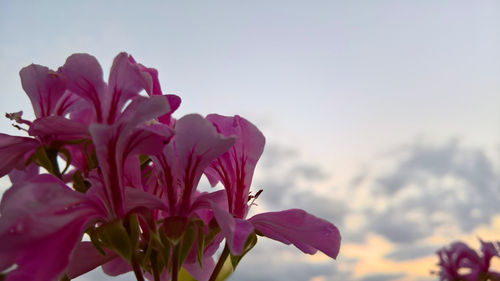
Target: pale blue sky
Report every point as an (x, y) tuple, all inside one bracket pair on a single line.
[(338, 84)]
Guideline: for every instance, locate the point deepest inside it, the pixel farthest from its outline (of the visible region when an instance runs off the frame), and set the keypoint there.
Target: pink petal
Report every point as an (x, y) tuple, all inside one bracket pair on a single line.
[(19, 176), (305, 231), (41, 221), (39, 207), (116, 266), (78, 158), (44, 88), (174, 102), (140, 199), (200, 273), (46, 258), (204, 200), (14, 151), (156, 88), (58, 126), (132, 177), (85, 258), (143, 109), (236, 231)]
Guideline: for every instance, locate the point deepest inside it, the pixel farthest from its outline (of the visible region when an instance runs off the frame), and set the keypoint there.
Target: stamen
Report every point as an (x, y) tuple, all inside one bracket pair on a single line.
[(254, 197), (19, 127), (17, 116)]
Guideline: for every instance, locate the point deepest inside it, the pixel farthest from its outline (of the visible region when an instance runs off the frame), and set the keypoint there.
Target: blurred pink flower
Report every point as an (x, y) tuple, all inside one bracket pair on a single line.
[(459, 262)]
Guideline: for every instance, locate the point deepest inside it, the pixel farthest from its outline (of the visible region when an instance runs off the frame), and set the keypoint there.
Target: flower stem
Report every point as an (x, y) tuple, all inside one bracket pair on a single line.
[(137, 269), (175, 262), (220, 263), (154, 265)]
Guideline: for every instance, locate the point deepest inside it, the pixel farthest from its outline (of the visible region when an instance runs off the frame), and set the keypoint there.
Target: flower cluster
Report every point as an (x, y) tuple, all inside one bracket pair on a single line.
[(130, 178), (458, 262)]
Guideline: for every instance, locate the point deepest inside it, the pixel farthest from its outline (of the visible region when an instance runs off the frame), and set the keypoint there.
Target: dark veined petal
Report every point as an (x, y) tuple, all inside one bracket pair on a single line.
[(297, 227), (235, 168), (126, 80), (196, 143), (85, 79), (44, 88), (115, 143)]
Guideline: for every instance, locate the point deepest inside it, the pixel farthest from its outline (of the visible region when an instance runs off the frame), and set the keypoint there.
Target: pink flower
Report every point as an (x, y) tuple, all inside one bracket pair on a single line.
[(234, 169), (45, 216), (47, 92), (194, 146), (77, 89), (116, 144), (134, 171)]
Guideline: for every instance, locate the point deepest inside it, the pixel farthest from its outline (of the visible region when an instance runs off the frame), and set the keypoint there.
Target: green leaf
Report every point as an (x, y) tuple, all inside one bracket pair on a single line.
[(114, 236), (187, 243), (64, 278), (226, 270), (165, 249), (134, 230), (79, 183), (184, 276), (153, 243), (95, 241), (42, 159), (200, 245), (213, 230)]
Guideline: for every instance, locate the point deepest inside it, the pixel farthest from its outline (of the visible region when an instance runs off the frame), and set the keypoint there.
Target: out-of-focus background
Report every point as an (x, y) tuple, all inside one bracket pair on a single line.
[(381, 116)]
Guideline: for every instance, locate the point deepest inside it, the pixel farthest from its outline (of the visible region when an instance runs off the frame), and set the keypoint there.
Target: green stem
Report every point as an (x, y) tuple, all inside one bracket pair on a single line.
[(220, 263)]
